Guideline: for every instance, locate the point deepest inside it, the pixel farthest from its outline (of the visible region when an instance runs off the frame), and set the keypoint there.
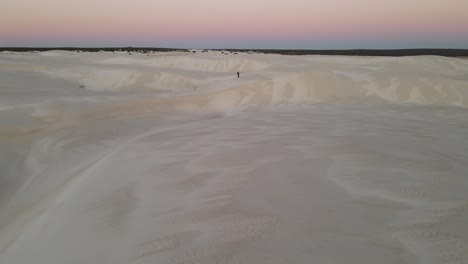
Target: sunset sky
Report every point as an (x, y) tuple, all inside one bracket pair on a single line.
[(313, 24)]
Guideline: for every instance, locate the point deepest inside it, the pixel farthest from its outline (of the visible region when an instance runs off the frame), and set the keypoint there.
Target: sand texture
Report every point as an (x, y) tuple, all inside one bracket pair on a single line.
[(170, 158)]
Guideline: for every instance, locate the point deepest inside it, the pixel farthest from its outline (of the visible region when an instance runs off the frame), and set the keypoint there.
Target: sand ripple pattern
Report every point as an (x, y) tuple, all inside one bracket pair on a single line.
[(430, 182), (150, 158)]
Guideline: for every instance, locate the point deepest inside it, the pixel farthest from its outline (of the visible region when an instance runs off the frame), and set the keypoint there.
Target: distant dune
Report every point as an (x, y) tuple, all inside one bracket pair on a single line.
[(140, 155)]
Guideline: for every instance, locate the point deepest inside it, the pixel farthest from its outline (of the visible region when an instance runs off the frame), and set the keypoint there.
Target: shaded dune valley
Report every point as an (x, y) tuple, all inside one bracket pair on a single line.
[(170, 157)]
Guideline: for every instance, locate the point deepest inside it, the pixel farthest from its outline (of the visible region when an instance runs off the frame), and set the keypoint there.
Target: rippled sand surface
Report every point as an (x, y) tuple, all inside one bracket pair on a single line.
[(170, 158)]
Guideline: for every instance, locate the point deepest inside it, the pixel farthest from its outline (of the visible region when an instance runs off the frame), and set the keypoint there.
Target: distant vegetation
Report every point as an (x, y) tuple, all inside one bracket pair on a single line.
[(355, 52), (364, 52)]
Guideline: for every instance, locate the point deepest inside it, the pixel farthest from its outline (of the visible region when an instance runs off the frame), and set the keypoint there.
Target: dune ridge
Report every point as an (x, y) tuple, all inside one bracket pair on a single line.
[(170, 158), (195, 83)]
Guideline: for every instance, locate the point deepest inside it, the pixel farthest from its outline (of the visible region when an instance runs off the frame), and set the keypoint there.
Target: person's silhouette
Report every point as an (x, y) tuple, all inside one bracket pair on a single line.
[(238, 75)]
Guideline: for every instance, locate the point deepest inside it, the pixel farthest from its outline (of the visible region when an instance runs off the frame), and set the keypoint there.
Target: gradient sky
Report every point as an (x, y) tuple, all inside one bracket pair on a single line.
[(313, 24)]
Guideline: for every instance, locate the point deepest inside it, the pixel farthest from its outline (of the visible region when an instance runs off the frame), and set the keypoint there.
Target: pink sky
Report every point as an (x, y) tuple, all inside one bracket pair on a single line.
[(216, 23)]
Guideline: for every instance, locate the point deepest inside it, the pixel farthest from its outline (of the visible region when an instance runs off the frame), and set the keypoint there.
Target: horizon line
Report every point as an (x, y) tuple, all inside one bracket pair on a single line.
[(225, 48), (449, 52)]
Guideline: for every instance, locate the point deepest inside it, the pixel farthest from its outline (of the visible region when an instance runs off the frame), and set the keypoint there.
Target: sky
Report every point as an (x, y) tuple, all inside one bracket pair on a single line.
[(288, 24)]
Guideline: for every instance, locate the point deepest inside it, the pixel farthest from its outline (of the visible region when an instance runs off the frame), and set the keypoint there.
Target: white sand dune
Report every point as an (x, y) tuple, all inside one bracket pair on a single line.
[(170, 158)]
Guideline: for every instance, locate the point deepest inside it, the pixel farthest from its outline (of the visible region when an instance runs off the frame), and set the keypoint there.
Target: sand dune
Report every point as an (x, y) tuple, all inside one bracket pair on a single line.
[(170, 158)]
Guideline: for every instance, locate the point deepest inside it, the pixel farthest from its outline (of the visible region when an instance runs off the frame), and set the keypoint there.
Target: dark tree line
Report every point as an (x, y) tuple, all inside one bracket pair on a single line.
[(354, 52)]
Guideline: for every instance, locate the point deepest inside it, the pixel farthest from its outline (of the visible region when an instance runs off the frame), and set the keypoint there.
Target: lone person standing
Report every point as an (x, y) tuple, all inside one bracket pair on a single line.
[(238, 74)]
